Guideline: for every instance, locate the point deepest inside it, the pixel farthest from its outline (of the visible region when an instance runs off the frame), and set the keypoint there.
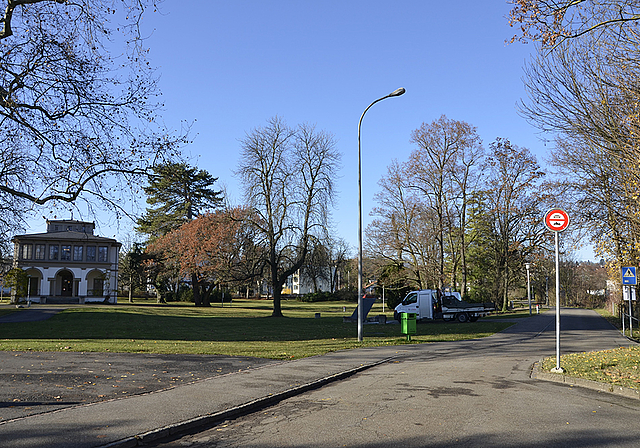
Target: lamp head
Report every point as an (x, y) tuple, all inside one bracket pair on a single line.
[(398, 92)]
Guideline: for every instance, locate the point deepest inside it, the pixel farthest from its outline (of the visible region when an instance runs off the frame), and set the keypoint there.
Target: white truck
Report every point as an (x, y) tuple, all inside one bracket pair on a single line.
[(447, 305)]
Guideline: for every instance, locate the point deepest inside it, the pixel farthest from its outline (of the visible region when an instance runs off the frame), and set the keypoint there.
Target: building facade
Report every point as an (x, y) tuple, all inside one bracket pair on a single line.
[(68, 263)]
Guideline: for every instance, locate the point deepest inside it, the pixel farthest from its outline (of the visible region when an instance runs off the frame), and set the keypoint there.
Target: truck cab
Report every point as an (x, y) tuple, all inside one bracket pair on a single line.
[(425, 304)]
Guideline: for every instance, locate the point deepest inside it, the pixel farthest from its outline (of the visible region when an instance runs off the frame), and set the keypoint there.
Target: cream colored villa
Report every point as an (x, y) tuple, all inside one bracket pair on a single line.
[(68, 263)]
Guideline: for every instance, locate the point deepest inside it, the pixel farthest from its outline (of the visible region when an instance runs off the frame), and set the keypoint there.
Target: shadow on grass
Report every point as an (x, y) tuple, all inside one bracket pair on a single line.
[(114, 324)]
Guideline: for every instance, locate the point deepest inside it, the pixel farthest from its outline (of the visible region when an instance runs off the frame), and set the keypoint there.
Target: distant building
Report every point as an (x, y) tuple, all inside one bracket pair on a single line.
[(301, 284), (68, 263)]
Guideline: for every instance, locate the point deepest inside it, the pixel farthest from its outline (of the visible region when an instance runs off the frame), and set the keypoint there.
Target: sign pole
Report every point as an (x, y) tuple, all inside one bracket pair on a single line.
[(630, 312), (557, 220), (624, 321), (629, 280), (557, 369)]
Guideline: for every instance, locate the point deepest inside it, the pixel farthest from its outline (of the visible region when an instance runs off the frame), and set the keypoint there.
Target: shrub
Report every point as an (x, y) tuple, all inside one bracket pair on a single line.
[(317, 297)]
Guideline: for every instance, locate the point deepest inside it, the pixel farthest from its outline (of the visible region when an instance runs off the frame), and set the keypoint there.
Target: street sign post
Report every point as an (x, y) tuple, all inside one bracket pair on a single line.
[(557, 220), (629, 280), (629, 275)]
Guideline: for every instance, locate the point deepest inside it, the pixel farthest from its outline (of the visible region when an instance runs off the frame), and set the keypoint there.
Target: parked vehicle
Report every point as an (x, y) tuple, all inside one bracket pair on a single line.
[(434, 304)]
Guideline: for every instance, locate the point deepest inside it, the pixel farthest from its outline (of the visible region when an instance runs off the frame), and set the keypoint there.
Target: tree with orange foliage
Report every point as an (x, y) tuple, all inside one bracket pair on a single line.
[(210, 250)]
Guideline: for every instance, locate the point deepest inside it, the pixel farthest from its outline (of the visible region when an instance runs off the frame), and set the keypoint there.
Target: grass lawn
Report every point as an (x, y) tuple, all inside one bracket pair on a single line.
[(620, 366), (245, 328)]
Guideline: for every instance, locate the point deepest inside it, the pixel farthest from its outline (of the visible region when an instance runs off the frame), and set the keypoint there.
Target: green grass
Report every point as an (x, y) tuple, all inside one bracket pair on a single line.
[(244, 329), (511, 314), (620, 366)]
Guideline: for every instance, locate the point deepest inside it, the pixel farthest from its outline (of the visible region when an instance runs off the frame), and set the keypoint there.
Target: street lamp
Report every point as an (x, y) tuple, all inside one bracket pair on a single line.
[(396, 92), (528, 265)]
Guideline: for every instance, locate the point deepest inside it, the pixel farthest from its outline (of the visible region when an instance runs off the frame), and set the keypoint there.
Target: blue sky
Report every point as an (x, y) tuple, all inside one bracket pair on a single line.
[(228, 66)]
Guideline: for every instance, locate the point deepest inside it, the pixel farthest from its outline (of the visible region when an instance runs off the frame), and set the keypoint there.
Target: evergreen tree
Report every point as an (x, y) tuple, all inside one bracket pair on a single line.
[(177, 193), (132, 269)]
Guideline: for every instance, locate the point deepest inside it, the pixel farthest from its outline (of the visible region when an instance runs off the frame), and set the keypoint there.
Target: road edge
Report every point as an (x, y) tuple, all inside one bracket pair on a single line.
[(194, 424), (627, 392)]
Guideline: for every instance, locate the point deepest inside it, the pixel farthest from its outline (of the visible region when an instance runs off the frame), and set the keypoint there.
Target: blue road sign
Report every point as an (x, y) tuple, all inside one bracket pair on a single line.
[(629, 275)]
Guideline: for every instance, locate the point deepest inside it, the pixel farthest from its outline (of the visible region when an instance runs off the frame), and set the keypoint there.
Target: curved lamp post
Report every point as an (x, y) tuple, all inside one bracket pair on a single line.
[(396, 92)]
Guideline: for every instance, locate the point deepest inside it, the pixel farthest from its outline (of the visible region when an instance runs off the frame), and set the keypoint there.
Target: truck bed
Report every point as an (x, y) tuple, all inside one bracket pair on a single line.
[(453, 303)]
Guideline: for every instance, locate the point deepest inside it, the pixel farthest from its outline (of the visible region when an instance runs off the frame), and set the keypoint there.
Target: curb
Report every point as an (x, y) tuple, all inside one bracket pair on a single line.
[(234, 412), (581, 382)]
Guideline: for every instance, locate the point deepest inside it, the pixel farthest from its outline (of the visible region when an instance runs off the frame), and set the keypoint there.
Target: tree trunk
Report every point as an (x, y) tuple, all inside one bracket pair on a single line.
[(195, 285), (505, 292), (159, 298), (277, 293)]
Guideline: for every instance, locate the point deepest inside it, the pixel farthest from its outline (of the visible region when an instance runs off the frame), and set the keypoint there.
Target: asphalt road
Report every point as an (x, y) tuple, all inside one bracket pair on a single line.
[(36, 382), (463, 394)]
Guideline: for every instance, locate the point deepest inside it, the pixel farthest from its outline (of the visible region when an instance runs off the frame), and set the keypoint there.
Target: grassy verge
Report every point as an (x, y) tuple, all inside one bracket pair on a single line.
[(245, 328), (620, 366), (510, 314)]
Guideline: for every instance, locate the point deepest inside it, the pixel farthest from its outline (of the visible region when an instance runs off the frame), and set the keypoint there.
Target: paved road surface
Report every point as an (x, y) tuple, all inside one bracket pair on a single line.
[(464, 394)]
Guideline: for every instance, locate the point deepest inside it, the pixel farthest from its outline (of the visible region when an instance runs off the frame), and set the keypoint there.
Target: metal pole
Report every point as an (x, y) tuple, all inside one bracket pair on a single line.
[(396, 92), (622, 311), (527, 265), (630, 312), (557, 369)]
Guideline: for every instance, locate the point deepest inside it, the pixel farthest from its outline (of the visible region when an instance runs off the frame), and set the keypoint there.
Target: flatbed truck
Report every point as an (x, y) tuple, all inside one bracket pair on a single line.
[(431, 304)]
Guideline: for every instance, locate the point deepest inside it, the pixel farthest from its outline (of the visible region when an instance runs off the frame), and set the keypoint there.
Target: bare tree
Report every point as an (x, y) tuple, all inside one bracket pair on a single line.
[(513, 203), (432, 165), (586, 92), (404, 230), (553, 22), (287, 175), (466, 179), (77, 109)]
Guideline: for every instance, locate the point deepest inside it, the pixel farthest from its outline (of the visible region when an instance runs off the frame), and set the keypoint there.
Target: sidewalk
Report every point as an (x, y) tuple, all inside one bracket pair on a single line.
[(129, 422), (126, 421)]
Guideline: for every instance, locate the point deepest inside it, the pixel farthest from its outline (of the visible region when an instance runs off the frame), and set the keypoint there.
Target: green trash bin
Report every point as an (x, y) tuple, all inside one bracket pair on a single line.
[(408, 324)]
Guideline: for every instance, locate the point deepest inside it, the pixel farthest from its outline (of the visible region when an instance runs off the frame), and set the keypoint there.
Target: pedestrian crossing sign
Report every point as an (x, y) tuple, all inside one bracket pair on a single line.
[(629, 275)]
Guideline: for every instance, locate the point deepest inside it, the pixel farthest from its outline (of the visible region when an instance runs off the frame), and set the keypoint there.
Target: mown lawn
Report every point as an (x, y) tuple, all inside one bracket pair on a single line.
[(245, 328), (620, 366)]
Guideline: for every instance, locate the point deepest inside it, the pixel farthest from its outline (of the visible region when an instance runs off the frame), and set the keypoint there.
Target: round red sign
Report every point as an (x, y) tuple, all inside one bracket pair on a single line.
[(556, 220)]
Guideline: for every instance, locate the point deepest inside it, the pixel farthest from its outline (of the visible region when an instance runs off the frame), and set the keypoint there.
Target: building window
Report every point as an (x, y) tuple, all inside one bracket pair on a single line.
[(98, 287), (40, 251), (103, 252), (91, 253), (77, 253), (66, 253), (26, 251), (53, 251)]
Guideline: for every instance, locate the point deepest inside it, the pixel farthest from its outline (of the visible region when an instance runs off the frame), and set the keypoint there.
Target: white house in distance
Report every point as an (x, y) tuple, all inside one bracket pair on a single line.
[(68, 263)]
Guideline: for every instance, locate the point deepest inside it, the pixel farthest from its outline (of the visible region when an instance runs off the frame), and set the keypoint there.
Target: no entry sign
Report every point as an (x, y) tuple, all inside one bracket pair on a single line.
[(556, 220)]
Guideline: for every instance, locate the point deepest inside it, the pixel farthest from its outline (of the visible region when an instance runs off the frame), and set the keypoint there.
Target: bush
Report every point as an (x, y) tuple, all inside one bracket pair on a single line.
[(317, 297), (184, 294)]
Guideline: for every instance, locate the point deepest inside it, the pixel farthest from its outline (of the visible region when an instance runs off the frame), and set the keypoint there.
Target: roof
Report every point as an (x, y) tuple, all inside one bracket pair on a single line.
[(65, 236)]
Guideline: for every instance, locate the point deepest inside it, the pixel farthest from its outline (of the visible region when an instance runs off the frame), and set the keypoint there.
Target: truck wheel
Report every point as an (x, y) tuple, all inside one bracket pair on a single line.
[(463, 317), (473, 318)]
